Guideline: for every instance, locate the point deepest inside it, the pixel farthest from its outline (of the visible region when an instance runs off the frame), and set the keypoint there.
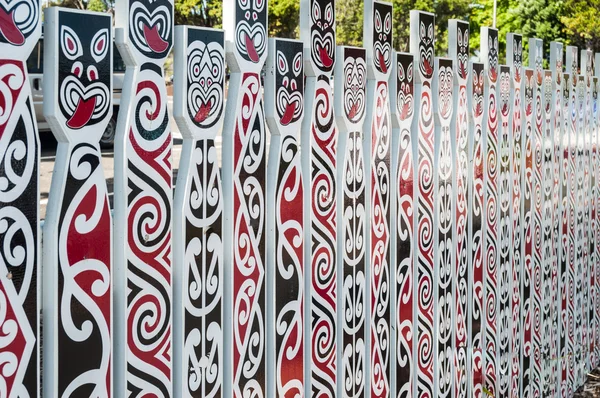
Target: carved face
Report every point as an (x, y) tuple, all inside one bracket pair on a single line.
[(151, 27), (250, 31), (405, 86), (493, 54), (289, 81), (382, 37), (355, 80), (477, 89), (322, 34), (537, 53), (547, 91), (85, 48), (205, 76), (528, 92), (517, 55), (565, 88), (504, 89), (462, 38), (574, 66), (445, 88), (18, 20), (426, 45), (559, 63)]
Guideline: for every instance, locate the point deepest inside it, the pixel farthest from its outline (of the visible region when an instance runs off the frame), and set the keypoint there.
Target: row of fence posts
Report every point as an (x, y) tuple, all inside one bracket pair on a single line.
[(437, 236)]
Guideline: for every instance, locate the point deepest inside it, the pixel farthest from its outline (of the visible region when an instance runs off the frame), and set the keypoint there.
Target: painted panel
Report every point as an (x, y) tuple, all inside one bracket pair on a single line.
[(458, 39), (143, 202), (515, 61), (244, 178), (421, 46), (402, 88), (78, 228), (475, 254), (19, 198), (377, 152), (284, 107), (198, 108), (443, 166), (489, 51), (319, 140), (350, 106)]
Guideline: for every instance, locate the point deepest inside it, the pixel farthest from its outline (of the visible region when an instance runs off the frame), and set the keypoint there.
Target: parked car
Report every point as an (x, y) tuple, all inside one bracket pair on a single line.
[(35, 67)]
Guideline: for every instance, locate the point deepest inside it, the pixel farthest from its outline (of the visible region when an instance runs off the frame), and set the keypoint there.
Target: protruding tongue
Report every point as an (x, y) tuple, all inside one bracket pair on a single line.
[(156, 43), (202, 113), (251, 49), (9, 29), (288, 115), (382, 62), (325, 58), (428, 68), (352, 113), (83, 113)]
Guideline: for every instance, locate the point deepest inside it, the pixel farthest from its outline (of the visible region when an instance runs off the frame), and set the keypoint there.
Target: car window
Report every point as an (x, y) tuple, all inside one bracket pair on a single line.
[(35, 62)]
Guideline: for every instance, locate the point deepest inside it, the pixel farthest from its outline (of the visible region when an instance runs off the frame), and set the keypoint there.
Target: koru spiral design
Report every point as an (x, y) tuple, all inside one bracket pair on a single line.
[(443, 234), (459, 51), (285, 246), (20, 30), (403, 110), (489, 45), (475, 222), (596, 219), (580, 232), (320, 140), (422, 37), (198, 214), (379, 147), (79, 227), (143, 202), (516, 261), (352, 224)]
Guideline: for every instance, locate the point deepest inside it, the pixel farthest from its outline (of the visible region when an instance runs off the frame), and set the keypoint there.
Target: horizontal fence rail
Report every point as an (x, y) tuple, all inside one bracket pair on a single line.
[(382, 224)]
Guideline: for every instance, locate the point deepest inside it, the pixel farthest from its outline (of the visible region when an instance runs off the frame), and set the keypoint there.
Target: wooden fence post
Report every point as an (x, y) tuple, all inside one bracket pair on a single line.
[(77, 271)]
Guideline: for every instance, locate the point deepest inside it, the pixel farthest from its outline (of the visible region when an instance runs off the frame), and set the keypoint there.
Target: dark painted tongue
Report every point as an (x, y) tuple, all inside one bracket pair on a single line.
[(288, 115), (156, 43), (325, 58), (9, 29), (382, 62), (83, 113), (251, 50), (202, 113)]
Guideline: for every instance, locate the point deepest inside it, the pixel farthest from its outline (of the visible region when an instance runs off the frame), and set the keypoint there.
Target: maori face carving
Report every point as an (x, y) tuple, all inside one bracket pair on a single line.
[(493, 54), (547, 91), (426, 33), (445, 88), (382, 37), (355, 80), (517, 55), (322, 34), (151, 27), (529, 92), (289, 81), (250, 32), (478, 89), (18, 20), (504, 89), (405, 86), (205, 77), (462, 57), (84, 68)]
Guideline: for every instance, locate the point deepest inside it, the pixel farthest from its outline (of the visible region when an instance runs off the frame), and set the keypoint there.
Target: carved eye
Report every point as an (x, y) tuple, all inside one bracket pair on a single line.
[(282, 66), (297, 64), (409, 72), (71, 45), (400, 72), (387, 24), (422, 29), (99, 46), (466, 37), (329, 13), (377, 21), (459, 38), (495, 42), (316, 11), (259, 4), (430, 31)]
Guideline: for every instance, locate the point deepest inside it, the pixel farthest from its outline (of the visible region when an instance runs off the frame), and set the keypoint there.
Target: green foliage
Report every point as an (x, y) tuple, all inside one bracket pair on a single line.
[(581, 23), (96, 5), (284, 18)]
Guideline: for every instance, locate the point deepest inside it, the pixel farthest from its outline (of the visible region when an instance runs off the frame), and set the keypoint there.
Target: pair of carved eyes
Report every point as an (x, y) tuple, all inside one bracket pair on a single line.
[(73, 49), (327, 17), (384, 27), (426, 33), (283, 68), (493, 43), (257, 5)]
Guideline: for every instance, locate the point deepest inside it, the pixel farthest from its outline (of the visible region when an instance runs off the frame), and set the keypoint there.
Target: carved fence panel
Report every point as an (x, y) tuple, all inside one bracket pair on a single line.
[(444, 244)]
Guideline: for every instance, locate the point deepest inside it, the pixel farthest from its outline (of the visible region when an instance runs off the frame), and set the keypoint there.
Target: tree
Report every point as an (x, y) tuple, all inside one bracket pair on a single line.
[(581, 18), (96, 5), (284, 18)]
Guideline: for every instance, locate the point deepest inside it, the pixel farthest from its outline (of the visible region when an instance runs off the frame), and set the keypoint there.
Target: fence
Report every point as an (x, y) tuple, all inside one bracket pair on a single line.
[(438, 235)]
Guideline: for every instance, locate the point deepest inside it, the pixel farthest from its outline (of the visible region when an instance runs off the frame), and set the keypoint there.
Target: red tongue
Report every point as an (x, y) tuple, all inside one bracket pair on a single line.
[(325, 58), (83, 113), (352, 112), (156, 43), (9, 29), (428, 68), (288, 114), (202, 113), (251, 50), (382, 62)]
